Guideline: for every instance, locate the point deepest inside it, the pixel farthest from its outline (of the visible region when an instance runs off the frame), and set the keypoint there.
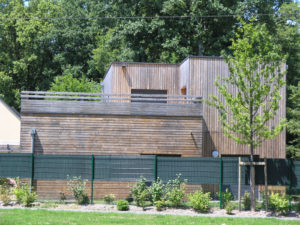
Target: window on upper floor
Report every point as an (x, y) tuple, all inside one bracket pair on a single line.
[(152, 95)]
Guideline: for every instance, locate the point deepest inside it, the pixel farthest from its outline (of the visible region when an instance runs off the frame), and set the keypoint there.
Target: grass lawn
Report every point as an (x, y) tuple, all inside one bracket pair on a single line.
[(39, 217)]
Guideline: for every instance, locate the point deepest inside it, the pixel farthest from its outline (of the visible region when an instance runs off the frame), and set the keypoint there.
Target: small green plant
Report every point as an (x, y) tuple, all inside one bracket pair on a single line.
[(247, 201), (62, 197), (229, 207), (139, 191), (143, 199), (77, 187), (159, 205), (279, 203), (19, 192), (157, 190), (5, 195), (176, 191), (28, 197), (122, 205), (297, 206), (200, 201), (110, 198), (226, 197)]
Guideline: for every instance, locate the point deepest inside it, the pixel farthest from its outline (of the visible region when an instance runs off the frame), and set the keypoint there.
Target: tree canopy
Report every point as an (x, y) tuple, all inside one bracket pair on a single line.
[(41, 39)]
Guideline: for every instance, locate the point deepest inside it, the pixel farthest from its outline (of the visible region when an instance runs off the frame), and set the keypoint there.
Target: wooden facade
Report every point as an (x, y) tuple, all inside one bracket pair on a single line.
[(194, 76), (117, 122), (110, 127)]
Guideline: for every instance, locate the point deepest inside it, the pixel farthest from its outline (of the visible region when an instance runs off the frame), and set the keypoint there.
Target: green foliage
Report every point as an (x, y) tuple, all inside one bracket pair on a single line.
[(247, 201), (160, 205), (62, 197), (226, 197), (140, 192), (122, 205), (157, 190), (129, 199), (5, 194), (279, 203), (229, 207), (67, 83), (28, 197), (19, 193), (77, 187), (293, 126), (200, 201), (255, 72), (176, 191), (110, 198)]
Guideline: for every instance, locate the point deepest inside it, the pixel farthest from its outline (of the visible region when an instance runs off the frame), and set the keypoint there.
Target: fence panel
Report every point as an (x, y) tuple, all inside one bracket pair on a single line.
[(195, 170), (15, 165), (47, 167), (124, 168)]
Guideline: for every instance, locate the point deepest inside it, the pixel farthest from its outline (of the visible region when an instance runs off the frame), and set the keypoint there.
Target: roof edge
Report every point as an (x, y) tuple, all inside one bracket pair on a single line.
[(11, 109)]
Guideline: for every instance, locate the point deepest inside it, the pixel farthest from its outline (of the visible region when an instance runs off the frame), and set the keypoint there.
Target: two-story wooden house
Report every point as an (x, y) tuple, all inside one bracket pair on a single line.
[(144, 109)]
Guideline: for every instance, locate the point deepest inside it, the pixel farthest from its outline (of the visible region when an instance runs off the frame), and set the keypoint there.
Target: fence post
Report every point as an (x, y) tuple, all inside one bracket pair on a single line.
[(92, 179), (32, 171), (155, 167), (221, 182)]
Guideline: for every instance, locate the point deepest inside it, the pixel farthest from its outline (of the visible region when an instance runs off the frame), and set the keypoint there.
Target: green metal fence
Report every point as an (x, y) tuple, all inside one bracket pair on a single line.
[(221, 171)]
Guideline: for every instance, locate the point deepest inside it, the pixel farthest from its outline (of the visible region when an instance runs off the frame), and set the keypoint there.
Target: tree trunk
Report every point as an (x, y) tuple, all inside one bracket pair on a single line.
[(252, 179)]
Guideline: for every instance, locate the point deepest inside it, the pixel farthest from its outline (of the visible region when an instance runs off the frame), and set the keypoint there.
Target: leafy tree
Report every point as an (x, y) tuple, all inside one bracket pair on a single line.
[(293, 125), (67, 83), (256, 73)]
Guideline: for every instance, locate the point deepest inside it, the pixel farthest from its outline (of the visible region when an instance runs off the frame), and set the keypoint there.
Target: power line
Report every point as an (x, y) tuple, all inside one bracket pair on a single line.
[(146, 17)]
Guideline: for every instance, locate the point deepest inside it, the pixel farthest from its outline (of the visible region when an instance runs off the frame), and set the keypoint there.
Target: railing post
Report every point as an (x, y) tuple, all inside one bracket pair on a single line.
[(221, 182), (155, 167), (92, 179)]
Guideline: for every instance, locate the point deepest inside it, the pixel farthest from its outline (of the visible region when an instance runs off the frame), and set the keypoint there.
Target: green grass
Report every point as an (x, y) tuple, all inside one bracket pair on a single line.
[(40, 217)]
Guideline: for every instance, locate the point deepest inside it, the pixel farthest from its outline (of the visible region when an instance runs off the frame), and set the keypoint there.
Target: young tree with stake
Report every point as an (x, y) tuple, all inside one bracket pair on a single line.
[(257, 75)]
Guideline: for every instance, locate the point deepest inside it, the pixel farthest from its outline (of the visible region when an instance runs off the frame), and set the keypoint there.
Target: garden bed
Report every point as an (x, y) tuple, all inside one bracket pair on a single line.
[(184, 211)]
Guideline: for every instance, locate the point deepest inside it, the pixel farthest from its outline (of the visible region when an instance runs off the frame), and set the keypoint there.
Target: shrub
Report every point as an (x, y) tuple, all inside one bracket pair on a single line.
[(122, 205), (28, 198), (200, 201), (227, 197), (176, 191), (247, 201), (159, 205), (140, 192), (278, 203), (157, 190), (5, 195), (109, 198), (229, 207), (19, 193), (77, 187), (143, 198)]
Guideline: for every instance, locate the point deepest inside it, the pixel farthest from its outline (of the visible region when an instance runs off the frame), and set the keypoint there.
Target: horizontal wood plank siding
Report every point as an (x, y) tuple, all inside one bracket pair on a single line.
[(110, 108), (112, 135), (51, 189)]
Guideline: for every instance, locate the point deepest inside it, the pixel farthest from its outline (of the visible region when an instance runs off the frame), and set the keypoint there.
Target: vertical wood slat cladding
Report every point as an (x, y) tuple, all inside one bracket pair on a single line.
[(203, 73), (112, 135), (144, 76)]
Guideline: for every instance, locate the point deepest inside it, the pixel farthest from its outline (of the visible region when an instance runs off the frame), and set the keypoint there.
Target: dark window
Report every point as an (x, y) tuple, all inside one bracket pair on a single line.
[(151, 94)]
